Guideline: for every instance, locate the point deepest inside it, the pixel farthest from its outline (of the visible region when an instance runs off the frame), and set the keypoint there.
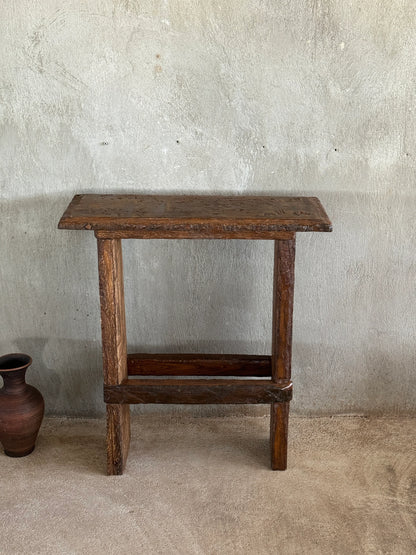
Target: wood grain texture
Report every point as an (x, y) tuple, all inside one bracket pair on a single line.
[(198, 391), (279, 422), (192, 216), (114, 345), (118, 438), (113, 320), (197, 231), (283, 288), (198, 365), (116, 217)]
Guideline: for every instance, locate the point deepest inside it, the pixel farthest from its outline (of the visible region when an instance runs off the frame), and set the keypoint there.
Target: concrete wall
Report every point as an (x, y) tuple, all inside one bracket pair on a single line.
[(237, 96)]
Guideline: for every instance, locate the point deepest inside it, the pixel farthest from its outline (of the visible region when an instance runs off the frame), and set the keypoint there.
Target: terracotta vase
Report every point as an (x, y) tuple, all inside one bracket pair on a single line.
[(21, 407)]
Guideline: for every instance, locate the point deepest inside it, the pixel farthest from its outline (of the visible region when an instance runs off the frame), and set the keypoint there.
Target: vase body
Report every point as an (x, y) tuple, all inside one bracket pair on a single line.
[(21, 407)]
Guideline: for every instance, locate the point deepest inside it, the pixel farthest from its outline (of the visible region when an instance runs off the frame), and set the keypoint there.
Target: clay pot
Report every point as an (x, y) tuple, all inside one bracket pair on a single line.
[(21, 407)]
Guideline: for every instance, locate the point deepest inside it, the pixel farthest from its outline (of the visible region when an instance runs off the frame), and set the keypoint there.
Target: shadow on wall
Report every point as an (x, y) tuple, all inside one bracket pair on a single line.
[(354, 326), (50, 302), (354, 345), (49, 305), (378, 382), (68, 372)]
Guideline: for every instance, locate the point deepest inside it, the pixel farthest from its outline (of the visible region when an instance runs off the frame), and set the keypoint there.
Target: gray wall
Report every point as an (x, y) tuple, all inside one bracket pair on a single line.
[(237, 96)]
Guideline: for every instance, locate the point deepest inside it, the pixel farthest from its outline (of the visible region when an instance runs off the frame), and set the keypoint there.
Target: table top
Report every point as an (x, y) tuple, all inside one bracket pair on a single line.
[(194, 216)]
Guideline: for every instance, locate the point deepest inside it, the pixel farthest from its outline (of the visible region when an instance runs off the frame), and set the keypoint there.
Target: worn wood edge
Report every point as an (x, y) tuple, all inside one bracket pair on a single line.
[(199, 391), (141, 364), (65, 218), (208, 234), (109, 223), (318, 222)]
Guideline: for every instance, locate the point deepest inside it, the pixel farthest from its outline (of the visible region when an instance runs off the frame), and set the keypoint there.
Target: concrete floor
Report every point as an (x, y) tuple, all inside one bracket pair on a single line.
[(203, 486)]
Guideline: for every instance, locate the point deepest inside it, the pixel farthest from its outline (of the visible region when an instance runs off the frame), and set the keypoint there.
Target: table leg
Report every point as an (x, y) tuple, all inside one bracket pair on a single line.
[(114, 345), (283, 287), (279, 420)]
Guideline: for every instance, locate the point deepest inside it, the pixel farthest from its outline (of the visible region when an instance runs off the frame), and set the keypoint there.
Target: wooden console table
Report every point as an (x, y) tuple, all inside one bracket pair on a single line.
[(117, 217)]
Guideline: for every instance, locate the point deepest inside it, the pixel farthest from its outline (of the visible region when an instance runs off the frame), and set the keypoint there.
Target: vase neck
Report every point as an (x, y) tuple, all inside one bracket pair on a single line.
[(14, 380)]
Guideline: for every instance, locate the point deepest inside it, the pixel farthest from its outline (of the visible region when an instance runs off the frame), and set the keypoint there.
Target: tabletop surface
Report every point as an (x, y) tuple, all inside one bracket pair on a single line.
[(261, 214)]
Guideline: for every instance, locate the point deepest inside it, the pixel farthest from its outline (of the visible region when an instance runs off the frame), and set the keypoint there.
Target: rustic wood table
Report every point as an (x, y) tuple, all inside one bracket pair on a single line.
[(117, 217)]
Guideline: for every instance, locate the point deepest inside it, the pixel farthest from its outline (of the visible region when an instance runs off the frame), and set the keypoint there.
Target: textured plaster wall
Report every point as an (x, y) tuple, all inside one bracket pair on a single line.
[(238, 96)]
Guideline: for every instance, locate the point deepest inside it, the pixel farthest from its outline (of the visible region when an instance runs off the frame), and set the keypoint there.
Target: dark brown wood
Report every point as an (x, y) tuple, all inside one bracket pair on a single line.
[(116, 217), (113, 320), (198, 232), (21, 407), (191, 216), (198, 365), (279, 423), (114, 344), (118, 437), (283, 288), (198, 391)]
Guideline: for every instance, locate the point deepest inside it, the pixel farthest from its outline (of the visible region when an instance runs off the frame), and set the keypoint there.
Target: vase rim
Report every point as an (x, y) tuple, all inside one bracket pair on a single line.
[(14, 361)]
